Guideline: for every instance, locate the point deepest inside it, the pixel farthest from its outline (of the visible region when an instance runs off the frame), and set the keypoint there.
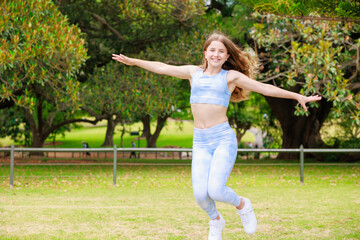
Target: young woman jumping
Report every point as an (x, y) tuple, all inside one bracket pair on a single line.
[(225, 75)]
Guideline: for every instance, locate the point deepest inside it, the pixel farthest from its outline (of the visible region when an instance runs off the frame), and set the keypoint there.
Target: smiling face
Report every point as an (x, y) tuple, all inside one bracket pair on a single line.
[(216, 54)]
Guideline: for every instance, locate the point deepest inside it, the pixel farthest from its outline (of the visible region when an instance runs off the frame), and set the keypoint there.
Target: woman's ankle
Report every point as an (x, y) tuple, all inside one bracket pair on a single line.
[(242, 204)]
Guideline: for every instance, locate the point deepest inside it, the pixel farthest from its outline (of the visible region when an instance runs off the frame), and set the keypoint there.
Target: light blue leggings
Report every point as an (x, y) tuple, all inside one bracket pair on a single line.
[(214, 155)]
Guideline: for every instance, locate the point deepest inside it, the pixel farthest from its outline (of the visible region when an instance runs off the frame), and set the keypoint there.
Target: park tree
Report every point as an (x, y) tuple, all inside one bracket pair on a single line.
[(148, 29), (40, 55), (109, 94), (309, 57)]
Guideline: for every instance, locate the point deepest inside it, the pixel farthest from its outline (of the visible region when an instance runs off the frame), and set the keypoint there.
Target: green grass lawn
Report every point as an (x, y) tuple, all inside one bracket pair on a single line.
[(171, 135), (156, 202)]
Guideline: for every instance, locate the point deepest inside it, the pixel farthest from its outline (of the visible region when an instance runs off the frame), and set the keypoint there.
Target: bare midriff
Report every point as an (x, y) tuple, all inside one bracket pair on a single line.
[(208, 115)]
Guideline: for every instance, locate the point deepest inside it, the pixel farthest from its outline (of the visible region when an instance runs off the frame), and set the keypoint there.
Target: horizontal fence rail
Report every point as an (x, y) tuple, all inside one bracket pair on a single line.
[(290, 150), (116, 150)]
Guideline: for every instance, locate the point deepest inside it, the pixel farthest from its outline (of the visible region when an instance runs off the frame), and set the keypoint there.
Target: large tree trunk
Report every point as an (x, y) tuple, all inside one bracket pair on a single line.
[(36, 127), (299, 130), (123, 130), (152, 138), (109, 137), (240, 132), (40, 126), (38, 141), (240, 129)]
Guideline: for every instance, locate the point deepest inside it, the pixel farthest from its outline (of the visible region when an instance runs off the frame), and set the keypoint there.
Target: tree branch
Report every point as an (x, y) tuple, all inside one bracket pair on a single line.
[(354, 86), (274, 77), (348, 64), (357, 71), (113, 30), (29, 117), (93, 113), (50, 130), (49, 120)]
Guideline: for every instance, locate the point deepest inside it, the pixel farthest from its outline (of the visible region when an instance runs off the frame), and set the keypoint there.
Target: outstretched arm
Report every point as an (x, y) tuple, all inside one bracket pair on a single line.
[(183, 72), (242, 81)]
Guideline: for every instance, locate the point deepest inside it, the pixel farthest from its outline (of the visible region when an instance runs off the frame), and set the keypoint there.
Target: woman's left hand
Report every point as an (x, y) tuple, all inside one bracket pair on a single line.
[(303, 100)]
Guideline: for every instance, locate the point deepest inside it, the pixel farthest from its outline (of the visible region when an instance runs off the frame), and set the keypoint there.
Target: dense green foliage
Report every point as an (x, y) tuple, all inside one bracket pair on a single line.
[(159, 30), (128, 26), (12, 124), (317, 57), (40, 54), (310, 57), (345, 10)]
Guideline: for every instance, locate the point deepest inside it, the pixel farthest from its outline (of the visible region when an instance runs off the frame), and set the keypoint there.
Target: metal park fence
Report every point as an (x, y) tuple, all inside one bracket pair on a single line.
[(115, 154)]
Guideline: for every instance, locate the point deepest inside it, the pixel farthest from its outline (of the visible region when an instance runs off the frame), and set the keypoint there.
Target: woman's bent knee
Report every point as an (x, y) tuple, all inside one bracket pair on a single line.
[(203, 201), (216, 193)]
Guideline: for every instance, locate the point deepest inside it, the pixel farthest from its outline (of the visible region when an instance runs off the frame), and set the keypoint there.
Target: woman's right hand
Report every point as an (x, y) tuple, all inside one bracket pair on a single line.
[(123, 59)]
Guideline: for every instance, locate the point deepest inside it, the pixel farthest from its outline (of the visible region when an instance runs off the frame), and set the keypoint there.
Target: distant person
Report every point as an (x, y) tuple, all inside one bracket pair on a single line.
[(224, 75), (133, 145), (85, 145)]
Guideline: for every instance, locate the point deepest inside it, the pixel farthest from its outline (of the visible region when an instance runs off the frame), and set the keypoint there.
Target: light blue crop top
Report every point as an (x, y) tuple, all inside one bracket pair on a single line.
[(210, 89)]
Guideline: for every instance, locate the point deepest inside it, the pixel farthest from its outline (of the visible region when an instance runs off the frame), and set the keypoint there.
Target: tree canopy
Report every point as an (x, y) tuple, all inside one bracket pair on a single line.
[(128, 26), (40, 53), (310, 57), (339, 10), (315, 57), (167, 31)]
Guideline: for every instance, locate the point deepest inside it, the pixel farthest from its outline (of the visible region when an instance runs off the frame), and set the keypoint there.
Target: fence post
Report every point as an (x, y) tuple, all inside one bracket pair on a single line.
[(12, 166), (115, 163), (301, 164)]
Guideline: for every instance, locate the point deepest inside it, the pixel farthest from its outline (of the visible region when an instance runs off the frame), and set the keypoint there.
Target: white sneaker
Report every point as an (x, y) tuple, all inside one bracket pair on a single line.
[(248, 217), (216, 227)]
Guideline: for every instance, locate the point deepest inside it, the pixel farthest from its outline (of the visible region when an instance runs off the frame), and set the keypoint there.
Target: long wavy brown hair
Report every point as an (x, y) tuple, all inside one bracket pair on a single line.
[(238, 60)]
